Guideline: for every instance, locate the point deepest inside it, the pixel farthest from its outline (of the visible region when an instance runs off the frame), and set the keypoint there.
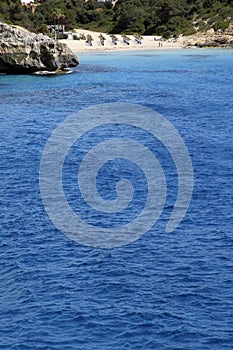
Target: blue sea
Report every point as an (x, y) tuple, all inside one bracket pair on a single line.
[(164, 291)]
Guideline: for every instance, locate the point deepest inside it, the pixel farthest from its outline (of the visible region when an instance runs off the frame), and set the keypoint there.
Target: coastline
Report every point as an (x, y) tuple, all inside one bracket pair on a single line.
[(208, 39), (147, 43)]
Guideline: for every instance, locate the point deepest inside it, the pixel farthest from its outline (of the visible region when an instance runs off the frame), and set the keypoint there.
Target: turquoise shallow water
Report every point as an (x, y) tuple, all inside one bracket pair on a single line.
[(164, 291)]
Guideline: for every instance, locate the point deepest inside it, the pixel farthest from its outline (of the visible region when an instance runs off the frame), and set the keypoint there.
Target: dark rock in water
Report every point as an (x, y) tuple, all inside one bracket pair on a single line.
[(24, 52)]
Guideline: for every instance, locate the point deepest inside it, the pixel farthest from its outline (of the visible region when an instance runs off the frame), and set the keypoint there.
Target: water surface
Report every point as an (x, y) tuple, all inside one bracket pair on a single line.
[(164, 291)]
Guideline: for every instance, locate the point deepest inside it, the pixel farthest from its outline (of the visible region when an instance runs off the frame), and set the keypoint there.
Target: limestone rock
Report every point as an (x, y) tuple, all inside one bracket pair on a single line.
[(209, 40), (24, 52)]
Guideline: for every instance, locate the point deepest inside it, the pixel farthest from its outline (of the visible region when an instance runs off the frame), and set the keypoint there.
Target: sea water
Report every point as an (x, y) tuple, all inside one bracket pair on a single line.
[(162, 291)]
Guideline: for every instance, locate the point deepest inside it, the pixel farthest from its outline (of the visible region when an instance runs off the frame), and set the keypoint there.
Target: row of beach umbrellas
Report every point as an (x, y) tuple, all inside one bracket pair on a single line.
[(126, 39)]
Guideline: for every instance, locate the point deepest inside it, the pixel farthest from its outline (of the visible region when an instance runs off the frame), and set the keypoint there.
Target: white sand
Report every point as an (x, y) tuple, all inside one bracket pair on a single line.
[(148, 42)]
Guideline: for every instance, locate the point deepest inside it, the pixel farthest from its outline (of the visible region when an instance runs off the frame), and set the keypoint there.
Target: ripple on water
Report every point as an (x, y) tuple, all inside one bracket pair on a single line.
[(164, 291)]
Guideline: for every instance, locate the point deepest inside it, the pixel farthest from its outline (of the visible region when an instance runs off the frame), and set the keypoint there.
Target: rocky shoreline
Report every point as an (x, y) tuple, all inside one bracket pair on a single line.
[(23, 52), (201, 40)]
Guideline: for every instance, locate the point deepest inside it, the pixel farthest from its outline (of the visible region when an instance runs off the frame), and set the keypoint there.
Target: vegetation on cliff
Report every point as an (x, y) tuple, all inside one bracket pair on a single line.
[(163, 17)]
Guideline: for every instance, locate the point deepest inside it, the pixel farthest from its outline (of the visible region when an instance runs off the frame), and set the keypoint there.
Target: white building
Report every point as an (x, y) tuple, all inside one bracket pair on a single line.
[(26, 1)]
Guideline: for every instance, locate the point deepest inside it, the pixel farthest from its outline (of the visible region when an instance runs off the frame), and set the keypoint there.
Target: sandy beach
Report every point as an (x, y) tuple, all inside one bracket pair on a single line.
[(147, 42)]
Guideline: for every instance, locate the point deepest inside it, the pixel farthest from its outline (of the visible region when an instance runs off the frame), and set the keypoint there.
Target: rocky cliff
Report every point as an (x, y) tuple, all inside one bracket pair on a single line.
[(25, 52)]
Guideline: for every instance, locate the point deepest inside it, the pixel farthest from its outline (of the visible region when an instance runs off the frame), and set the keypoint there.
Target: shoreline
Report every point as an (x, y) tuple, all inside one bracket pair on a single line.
[(199, 40), (147, 43), (76, 49)]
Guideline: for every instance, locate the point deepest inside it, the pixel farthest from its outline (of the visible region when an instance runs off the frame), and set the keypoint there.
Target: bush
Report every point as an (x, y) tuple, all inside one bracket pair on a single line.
[(165, 17), (221, 25), (202, 26), (63, 36), (226, 12)]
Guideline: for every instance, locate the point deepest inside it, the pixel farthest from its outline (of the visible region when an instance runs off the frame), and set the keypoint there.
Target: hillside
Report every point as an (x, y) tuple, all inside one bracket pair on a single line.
[(148, 17)]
